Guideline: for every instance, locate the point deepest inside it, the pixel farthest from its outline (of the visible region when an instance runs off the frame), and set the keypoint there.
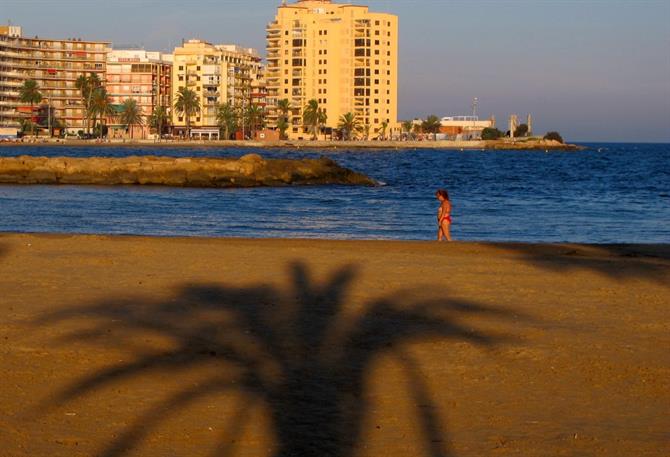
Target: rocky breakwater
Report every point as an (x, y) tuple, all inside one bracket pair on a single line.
[(249, 171)]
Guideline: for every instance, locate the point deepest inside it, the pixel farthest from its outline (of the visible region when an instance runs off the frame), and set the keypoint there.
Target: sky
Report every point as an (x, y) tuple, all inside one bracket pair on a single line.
[(594, 70)]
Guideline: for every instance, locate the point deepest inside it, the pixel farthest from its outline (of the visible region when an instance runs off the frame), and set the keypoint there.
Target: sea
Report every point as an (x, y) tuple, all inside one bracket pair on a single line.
[(607, 193)]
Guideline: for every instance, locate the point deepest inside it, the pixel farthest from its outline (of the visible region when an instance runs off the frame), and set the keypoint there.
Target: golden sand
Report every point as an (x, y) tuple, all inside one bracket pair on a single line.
[(196, 347)]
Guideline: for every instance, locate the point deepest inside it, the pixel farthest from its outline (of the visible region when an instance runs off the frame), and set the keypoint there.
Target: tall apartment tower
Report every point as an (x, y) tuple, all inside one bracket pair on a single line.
[(218, 74), (145, 76), (341, 55), (55, 65)]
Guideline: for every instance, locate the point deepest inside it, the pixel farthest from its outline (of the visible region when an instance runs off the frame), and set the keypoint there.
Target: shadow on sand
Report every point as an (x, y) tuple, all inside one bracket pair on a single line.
[(622, 262), (301, 352)]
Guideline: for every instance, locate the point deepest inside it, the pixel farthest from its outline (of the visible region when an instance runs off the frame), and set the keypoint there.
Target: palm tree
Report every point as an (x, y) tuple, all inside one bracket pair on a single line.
[(348, 124), (131, 115), (158, 119), (87, 86), (187, 104), (255, 116), (407, 127), (382, 130), (30, 93), (282, 123), (366, 132), (431, 124), (101, 105), (226, 117), (314, 117)]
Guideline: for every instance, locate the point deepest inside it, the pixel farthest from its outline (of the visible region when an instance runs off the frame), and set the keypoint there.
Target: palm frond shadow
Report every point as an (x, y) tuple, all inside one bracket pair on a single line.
[(648, 262), (295, 351)]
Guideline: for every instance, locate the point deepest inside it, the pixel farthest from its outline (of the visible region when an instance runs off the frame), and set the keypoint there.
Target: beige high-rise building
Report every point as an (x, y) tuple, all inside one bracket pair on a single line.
[(217, 74), (144, 76), (55, 65), (341, 55)]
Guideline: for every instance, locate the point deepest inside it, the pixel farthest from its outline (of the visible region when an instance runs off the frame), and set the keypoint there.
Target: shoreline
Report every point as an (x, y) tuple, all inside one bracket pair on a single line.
[(329, 145), (525, 349)]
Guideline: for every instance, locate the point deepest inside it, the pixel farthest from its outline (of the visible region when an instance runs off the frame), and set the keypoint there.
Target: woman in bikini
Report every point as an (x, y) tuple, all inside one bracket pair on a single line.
[(443, 216)]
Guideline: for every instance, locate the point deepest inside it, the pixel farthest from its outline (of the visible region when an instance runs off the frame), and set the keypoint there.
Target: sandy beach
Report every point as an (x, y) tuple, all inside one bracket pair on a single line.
[(116, 346)]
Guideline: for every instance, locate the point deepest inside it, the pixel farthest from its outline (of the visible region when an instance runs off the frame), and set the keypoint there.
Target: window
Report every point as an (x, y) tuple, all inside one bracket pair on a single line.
[(181, 68)]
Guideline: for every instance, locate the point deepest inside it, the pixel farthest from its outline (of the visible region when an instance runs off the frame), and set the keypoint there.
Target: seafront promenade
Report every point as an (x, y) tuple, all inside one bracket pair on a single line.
[(307, 144), (176, 346)]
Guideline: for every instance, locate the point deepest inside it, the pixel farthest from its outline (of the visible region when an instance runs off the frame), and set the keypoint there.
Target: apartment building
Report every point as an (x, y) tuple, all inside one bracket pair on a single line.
[(143, 76), (342, 55), (217, 74), (55, 65)]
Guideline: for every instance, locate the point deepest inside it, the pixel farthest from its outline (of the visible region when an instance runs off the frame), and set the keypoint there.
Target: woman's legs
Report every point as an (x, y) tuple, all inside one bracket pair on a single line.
[(445, 228)]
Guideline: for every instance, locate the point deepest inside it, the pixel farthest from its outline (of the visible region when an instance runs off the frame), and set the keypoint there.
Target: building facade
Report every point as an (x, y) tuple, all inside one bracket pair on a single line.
[(217, 74), (55, 65), (143, 76), (465, 127), (341, 55)]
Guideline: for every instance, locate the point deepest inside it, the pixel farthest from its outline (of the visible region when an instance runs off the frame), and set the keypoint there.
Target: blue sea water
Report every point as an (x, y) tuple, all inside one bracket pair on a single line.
[(609, 193)]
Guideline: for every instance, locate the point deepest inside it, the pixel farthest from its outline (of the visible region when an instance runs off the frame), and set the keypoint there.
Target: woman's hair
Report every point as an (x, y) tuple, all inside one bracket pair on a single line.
[(442, 193)]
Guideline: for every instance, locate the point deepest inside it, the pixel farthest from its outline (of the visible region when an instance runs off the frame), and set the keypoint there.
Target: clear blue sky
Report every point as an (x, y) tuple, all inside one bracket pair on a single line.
[(592, 69)]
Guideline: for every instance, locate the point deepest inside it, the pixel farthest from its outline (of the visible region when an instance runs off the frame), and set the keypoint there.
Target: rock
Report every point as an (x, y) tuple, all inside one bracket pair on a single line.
[(249, 171), (251, 158)]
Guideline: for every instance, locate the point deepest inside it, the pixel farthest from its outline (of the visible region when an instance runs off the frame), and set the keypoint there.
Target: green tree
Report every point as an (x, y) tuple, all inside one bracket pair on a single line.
[(349, 125), (431, 124), (555, 136), (30, 93), (101, 106), (87, 85), (284, 107), (365, 130), (255, 118), (26, 125), (407, 127), (382, 130), (130, 115), (490, 133), (521, 131), (314, 118), (187, 104), (159, 119), (226, 118)]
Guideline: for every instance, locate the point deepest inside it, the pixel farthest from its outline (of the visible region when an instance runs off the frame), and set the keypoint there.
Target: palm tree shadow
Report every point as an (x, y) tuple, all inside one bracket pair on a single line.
[(296, 351), (620, 262)]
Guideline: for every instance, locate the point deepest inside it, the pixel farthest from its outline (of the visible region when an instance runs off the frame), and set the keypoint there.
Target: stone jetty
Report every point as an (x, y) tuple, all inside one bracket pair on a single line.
[(251, 170)]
